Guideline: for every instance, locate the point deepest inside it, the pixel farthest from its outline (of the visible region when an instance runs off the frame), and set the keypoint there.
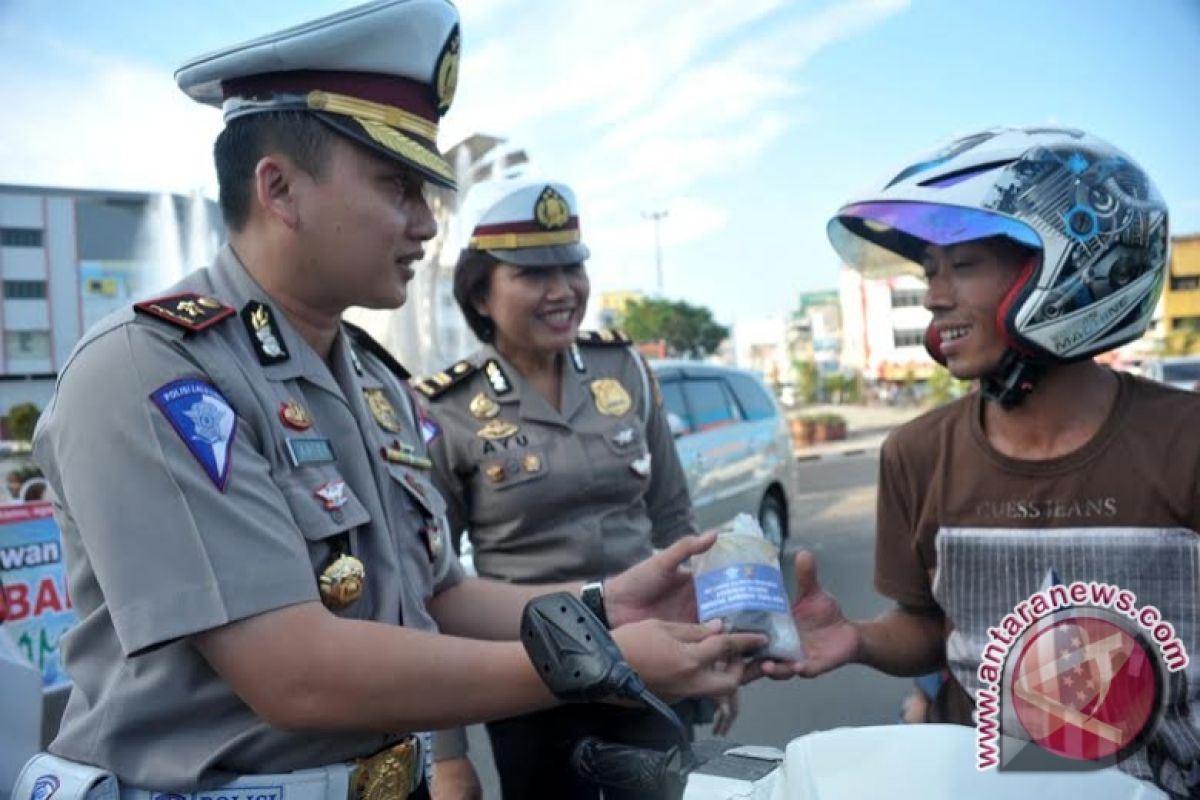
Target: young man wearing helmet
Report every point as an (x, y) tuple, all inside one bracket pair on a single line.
[(1042, 247)]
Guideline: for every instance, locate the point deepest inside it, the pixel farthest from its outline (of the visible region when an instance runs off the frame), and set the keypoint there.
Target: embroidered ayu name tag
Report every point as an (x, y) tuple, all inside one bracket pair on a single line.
[(309, 450)]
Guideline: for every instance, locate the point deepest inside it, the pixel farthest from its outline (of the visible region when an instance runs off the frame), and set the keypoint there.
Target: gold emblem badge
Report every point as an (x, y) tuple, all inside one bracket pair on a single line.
[(483, 407), (260, 320), (294, 416), (611, 398), (497, 429), (387, 775), (381, 410), (551, 209), (342, 582), (494, 472), (445, 75), (531, 463)]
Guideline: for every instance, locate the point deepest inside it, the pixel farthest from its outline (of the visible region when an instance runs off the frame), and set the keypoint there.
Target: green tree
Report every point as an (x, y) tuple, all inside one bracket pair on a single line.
[(688, 331), (944, 387), (22, 419), (808, 381)]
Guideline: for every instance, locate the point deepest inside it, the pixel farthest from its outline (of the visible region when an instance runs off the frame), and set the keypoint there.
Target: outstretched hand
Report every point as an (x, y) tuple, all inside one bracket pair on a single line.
[(659, 587), (678, 659), (829, 639)]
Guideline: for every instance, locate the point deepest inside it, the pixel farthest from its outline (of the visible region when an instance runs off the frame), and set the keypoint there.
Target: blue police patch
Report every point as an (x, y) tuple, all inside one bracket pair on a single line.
[(44, 787), (204, 420)]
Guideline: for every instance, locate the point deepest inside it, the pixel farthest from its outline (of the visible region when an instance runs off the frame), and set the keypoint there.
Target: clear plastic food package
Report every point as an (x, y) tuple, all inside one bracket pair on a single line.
[(738, 581)]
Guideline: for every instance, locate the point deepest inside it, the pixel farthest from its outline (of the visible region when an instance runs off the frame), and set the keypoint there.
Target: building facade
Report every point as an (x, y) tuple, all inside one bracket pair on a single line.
[(68, 257), (883, 326)]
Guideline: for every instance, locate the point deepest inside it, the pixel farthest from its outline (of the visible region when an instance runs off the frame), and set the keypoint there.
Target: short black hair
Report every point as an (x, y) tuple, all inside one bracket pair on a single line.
[(300, 136), (472, 279)]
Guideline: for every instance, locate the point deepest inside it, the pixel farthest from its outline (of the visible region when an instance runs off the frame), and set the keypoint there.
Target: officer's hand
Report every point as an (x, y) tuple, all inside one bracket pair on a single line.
[(727, 712), (830, 640), (455, 779), (659, 587), (678, 659)]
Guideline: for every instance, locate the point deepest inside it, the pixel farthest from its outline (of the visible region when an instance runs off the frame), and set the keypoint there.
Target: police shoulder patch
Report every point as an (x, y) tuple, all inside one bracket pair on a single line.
[(605, 337), (204, 420), (368, 343), (190, 311), (439, 383)]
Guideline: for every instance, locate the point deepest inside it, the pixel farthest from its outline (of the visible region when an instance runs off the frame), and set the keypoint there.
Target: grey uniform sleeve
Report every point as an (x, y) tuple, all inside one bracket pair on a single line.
[(173, 553), (667, 500), (445, 477)]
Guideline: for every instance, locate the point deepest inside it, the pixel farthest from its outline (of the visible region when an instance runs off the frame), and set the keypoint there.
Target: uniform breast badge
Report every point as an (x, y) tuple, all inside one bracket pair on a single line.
[(432, 534), (264, 333), (531, 463), (402, 453), (342, 582), (294, 415), (332, 494), (611, 398), (483, 407), (641, 466), (497, 429), (624, 437), (494, 472), (382, 411)]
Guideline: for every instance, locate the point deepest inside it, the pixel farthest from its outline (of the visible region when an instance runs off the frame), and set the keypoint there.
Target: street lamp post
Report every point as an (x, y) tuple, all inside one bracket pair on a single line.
[(656, 217)]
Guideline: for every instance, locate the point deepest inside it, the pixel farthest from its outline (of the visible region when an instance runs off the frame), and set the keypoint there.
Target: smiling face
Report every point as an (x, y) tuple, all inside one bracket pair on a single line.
[(967, 283), (363, 224), (535, 309)]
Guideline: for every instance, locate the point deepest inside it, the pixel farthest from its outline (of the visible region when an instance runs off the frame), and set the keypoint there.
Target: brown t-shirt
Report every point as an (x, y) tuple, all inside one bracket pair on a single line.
[(1124, 508)]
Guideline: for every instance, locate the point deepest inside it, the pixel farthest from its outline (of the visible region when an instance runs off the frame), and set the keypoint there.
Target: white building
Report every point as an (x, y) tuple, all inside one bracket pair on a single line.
[(70, 256), (883, 326), (761, 345)]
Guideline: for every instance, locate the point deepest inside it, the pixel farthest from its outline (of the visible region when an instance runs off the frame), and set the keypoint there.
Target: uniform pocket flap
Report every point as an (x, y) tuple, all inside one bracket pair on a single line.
[(322, 501)]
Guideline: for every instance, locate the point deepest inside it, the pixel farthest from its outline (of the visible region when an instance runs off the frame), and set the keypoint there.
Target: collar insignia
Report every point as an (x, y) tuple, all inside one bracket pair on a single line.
[(264, 333), (496, 377)]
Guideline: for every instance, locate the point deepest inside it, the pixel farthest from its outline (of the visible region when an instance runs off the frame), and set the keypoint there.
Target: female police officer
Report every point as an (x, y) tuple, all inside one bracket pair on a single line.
[(551, 448)]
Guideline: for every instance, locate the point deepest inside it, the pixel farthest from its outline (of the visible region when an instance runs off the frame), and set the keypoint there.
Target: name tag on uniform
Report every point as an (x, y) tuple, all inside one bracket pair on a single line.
[(309, 450)]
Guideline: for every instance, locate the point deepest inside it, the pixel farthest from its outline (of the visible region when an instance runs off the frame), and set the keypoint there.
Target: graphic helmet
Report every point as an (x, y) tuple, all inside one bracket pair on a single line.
[(1089, 211)]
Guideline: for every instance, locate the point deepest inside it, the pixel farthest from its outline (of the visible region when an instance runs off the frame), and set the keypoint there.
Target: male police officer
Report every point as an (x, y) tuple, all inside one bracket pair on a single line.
[(239, 478)]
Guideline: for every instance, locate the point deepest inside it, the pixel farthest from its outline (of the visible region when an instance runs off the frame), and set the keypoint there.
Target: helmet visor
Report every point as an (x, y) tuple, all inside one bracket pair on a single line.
[(879, 237)]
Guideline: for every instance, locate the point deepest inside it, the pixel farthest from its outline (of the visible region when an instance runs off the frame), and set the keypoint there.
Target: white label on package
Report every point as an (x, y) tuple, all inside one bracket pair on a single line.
[(740, 587)]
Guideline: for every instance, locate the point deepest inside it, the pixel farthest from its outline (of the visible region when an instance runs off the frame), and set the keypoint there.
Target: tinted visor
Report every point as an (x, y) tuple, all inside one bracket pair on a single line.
[(881, 236)]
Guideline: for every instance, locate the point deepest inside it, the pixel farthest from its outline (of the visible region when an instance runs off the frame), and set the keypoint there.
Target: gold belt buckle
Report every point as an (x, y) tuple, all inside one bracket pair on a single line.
[(387, 775)]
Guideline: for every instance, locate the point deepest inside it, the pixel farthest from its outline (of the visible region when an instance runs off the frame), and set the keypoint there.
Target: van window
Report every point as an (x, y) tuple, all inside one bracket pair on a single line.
[(755, 402), (710, 402), (672, 394)]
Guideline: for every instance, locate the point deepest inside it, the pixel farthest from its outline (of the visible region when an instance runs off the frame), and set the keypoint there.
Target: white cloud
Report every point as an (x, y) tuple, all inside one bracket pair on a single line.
[(100, 122)]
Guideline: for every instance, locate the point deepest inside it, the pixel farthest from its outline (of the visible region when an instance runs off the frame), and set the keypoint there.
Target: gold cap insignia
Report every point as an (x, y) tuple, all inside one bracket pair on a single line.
[(294, 416), (382, 411), (551, 209), (342, 582), (483, 407), (497, 429), (611, 398), (445, 73)]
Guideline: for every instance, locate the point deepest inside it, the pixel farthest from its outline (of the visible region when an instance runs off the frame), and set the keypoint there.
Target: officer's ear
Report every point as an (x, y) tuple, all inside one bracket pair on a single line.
[(275, 186)]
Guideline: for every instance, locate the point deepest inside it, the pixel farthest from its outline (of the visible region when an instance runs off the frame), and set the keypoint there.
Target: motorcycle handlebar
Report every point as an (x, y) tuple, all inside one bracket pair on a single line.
[(620, 766)]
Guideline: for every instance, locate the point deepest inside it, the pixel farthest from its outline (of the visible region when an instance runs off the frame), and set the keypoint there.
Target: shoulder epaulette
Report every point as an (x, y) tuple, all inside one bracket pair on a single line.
[(439, 383), (609, 337), (190, 311), (367, 342)]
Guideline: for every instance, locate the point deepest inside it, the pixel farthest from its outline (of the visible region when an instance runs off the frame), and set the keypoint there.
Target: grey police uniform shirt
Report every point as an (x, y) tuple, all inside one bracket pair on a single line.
[(571, 494), (159, 548)]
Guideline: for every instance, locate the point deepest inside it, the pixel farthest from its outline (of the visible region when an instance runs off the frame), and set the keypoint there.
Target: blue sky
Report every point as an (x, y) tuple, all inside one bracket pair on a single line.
[(751, 121)]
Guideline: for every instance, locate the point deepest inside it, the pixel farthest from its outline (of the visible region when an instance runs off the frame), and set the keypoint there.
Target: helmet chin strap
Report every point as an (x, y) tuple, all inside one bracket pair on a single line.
[(1012, 380)]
